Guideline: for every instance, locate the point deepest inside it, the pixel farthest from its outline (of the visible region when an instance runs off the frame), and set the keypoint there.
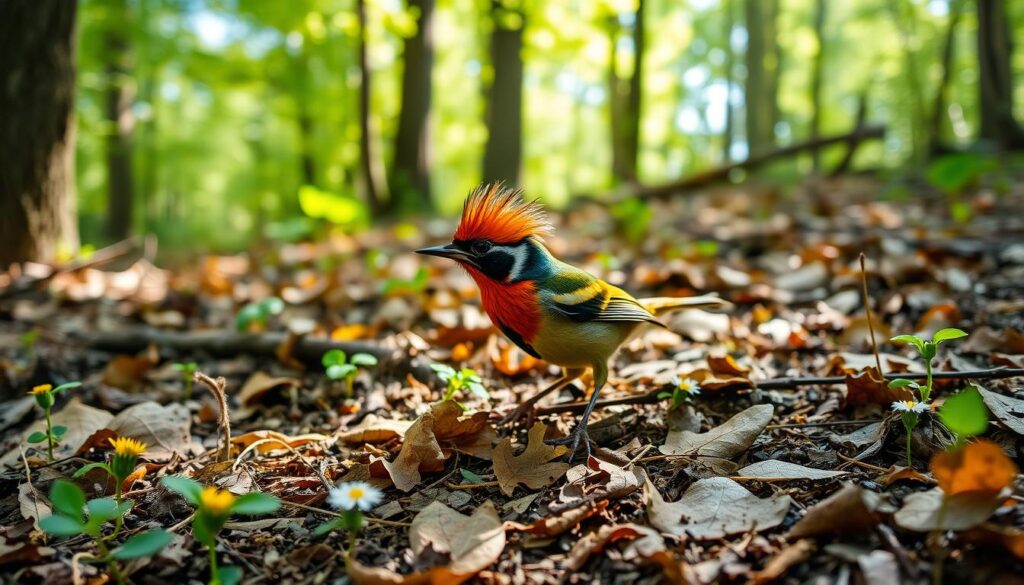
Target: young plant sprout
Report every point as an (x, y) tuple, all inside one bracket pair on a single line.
[(27, 341), (74, 516), (188, 370), (122, 464), (255, 315), (682, 391), (464, 379), (910, 409), (351, 499), (44, 394), (213, 508), (341, 367)]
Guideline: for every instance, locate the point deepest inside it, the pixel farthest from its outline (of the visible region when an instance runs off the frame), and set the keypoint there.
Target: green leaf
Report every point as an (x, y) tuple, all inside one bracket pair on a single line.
[(103, 509), (911, 339), (947, 334), (89, 467), (248, 315), (443, 370), (67, 498), (271, 306), (470, 476), (61, 525), (479, 390), (255, 504), (142, 545), (903, 383), (334, 357), (37, 437), (965, 414), (205, 529), (364, 359), (66, 386), (59, 430), (228, 575), (327, 527), (340, 372), (664, 395), (188, 488)]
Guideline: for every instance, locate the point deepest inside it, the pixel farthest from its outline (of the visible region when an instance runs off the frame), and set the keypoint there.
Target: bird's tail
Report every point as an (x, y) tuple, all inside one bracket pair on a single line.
[(663, 305)]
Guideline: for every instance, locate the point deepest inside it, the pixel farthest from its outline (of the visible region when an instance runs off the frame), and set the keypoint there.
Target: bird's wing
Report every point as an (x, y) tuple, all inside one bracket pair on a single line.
[(582, 297)]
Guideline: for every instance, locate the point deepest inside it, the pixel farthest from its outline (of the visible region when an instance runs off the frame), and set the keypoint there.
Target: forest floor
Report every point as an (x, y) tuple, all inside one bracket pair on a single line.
[(754, 479)]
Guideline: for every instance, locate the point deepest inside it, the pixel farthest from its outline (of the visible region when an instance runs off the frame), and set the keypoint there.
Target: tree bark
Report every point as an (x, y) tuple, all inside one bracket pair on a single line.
[(503, 152), (120, 97), (371, 167), (625, 99), (996, 77), (762, 62), (816, 80), (410, 175), (730, 66), (939, 108), (634, 99), (37, 130)]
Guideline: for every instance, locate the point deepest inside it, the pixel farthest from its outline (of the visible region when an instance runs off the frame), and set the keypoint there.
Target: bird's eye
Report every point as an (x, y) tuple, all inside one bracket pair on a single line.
[(481, 247)]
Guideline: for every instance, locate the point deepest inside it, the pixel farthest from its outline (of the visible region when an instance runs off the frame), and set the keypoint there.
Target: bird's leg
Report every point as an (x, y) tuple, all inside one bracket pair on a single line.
[(580, 432), (568, 375)]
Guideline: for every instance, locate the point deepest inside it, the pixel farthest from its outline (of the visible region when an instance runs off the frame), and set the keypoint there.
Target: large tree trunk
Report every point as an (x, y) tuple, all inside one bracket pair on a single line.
[(730, 61), (410, 176), (995, 49), (634, 99), (504, 150), (371, 169), (762, 63), (939, 108), (816, 80), (121, 124), (625, 100), (37, 130)]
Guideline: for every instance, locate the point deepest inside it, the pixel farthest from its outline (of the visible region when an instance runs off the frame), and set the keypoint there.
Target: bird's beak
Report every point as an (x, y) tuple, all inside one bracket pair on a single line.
[(445, 251)]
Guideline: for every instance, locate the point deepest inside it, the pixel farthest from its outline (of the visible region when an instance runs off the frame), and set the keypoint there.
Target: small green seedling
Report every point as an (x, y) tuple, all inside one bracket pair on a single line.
[(74, 516), (255, 315), (122, 464), (682, 391), (213, 508), (464, 379), (45, 398), (342, 367), (965, 414), (28, 340), (910, 409), (188, 370)]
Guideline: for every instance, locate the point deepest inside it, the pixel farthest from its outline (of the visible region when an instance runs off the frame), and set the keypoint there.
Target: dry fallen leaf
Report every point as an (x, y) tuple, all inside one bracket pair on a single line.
[(599, 480), (273, 441), (32, 504), (81, 421), (933, 510), (420, 452), (255, 389), (713, 508), (166, 430), (851, 511), (725, 441), (726, 364), (775, 469), (556, 524), (472, 542), (980, 467), (127, 371), (533, 468), (1007, 410), (375, 429), (647, 543), (470, 434)]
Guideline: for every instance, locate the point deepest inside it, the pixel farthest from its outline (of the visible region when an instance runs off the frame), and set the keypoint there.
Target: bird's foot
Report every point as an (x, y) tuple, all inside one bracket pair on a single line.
[(573, 440), (525, 411)]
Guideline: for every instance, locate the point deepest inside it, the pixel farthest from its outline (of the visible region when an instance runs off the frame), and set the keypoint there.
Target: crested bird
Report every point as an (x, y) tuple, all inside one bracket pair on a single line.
[(550, 309)]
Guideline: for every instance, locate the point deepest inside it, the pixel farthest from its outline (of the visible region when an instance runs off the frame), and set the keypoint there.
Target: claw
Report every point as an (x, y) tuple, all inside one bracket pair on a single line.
[(522, 411), (573, 442)]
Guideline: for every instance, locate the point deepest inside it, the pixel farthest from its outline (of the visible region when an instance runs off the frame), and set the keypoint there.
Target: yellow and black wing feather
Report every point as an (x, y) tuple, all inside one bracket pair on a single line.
[(579, 296)]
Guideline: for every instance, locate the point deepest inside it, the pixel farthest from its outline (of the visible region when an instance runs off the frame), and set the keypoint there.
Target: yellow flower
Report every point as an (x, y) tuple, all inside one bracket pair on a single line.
[(128, 447), (41, 389), (216, 502)]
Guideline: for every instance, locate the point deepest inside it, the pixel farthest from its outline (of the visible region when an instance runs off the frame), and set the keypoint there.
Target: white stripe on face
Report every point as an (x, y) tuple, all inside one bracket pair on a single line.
[(519, 254)]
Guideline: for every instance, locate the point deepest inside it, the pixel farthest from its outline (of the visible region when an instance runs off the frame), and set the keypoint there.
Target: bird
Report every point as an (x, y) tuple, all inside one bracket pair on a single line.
[(552, 310)]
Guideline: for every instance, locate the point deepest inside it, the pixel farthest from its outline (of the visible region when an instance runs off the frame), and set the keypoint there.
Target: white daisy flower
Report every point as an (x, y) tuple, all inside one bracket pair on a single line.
[(354, 494), (909, 406), (688, 385)]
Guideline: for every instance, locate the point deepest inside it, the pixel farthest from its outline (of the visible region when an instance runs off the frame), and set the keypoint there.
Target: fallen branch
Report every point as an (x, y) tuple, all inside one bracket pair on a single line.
[(100, 257), (786, 383), (217, 387), (220, 343)]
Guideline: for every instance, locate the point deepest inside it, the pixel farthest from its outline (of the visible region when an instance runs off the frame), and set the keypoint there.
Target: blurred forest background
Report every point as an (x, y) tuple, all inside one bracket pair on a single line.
[(212, 123)]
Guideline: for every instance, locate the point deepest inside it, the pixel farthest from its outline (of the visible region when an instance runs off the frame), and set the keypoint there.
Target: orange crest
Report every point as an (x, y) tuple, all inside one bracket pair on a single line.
[(501, 215)]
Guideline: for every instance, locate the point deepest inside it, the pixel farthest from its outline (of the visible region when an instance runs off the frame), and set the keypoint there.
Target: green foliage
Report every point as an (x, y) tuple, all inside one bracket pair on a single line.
[(341, 367), (955, 172), (344, 211), (255, 315), (28, 339), (633, 218), (458, 380), (403, 286), (965, 414), (188, 370), (44, 395)]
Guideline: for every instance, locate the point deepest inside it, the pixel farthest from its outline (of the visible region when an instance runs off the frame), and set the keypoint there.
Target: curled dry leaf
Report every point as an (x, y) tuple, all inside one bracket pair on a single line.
[(777, 566), (558, 523), (775, 469), (274, 441), (646, 543), (868, 387), (255, 390), (715, 507), (898, 473), (726, 364), (127, 371), (725, 441), (600, 480), (473, 542), (420, 452), (851, 511), (533, 468), (980, 467), (933, 510), (1007, 410), (375, 429), (470, 434)]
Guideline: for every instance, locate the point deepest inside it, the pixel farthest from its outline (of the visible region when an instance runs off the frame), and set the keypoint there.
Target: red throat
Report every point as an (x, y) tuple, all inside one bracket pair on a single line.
[(509, 305)]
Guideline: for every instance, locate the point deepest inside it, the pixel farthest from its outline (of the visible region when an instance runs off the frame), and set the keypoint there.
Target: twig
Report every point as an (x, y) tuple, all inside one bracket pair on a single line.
[(371, 519), (217, 388), (327, 485), (867, 311), (178, 526), (98, 258), (863, 464), (28, 479), (785, 383), (830, 423), (471, 486)]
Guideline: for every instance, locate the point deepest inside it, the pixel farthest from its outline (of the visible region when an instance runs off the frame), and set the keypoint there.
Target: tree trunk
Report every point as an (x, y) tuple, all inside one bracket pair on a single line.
[(121, 123), (37, 130), (816, 79), (504, 150), (371, 169), (730, 62), (939, 108), (762, 62), (410, 176), (625, 99), (996, 78), (620, 166), (635, 95)]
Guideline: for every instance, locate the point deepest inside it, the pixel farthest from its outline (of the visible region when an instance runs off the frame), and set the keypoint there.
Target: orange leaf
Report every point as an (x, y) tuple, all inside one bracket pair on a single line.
[(980, 467)]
